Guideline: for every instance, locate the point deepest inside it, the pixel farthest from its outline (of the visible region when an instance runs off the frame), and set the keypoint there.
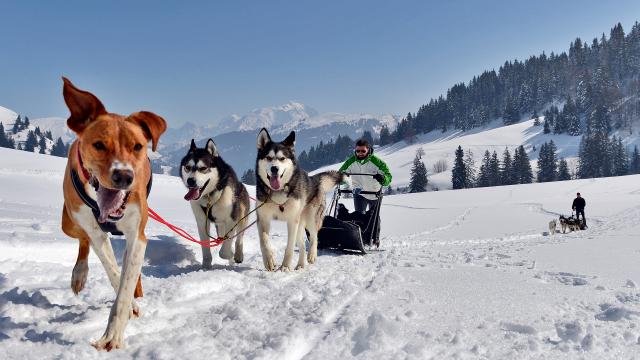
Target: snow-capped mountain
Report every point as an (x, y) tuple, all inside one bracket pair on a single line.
[(7, 116), (274, 117)]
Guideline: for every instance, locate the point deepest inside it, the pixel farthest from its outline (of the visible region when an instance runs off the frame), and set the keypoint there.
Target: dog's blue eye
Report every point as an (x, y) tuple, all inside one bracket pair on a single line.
[(99, 145), (137, 147)]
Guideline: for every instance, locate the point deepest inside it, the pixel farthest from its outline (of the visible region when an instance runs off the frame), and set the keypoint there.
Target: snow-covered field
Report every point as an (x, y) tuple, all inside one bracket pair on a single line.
[(464, 274)]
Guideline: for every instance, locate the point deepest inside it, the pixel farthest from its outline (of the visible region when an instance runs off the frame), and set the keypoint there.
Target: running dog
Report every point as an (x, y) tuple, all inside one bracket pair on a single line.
[(105, 186), (569, 223), (216, 196), (552, 227), (285, 192)]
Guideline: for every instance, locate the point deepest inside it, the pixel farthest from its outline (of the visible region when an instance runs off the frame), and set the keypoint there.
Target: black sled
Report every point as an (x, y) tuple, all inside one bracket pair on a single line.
[(350, 232)]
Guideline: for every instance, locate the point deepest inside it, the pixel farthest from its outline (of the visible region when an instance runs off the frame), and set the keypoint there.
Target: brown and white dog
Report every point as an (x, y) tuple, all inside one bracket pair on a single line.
[(105, 189)]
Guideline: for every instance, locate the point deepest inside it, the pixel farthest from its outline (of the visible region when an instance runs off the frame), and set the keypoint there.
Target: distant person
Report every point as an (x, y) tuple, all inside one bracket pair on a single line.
[(364, 162), (578, 206)]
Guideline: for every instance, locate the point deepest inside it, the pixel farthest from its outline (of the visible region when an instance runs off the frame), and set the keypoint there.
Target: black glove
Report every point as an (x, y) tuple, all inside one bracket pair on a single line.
[(379, 178)]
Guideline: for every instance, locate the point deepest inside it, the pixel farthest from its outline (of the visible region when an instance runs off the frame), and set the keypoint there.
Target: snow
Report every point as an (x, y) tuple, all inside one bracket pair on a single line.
[(7, 116), (464, 274)]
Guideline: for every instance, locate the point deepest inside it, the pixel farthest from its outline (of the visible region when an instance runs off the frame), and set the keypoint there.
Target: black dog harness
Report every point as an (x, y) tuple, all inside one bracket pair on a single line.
[(110, 225)]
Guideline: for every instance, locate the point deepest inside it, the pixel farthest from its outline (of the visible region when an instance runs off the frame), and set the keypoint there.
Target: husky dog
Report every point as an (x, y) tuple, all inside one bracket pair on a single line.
[(552, 227), (213, 185), (285, 192), (564, 225)]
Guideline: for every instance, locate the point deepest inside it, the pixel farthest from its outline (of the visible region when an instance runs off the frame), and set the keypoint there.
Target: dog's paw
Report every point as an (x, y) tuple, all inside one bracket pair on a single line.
[(311, 257), (284, 268), (225, 253), (109, 342), (79, 276), (269, 263), (135, 311), (238, 257), (300, 267)]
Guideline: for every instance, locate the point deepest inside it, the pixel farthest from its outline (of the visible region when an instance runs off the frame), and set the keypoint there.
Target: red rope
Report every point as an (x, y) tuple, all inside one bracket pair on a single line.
[(184, 234), (181, 232)]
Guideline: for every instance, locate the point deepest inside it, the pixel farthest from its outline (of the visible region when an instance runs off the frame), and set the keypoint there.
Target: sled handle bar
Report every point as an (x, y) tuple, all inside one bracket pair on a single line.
[(344, 191), (360, 174)]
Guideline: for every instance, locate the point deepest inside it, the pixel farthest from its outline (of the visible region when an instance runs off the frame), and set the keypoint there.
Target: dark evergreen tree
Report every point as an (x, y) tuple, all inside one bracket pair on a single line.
[(494, 170), (37, 130), (563, 170), (620, 158), (418, 181), (42, 145), (26, 123), (59, 148), (249, 177), (536, 118), (522, 166), (459, 172), (385, 136), (484, 175), (547, 163), (634, 162), (4, 138), (510, 115), (368, 136), (470, 169), (547, 127), (572, 118), (507, 175), (31, 142), (48, 135), (17, 125)]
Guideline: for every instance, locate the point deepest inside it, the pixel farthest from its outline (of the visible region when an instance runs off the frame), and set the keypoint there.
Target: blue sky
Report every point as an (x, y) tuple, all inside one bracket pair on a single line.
[(201, 60)]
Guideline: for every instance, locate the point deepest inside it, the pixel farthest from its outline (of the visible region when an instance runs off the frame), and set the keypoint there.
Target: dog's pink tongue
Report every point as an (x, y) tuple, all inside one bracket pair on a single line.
[(275, 183), (193, 194), (108, 201)]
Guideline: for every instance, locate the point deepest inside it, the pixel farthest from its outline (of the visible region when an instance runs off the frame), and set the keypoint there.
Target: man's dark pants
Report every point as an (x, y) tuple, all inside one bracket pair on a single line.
[(360, 203), (578, 212)]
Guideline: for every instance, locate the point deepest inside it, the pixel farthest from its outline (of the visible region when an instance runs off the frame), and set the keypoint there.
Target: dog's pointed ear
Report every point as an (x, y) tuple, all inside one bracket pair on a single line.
[(83, 106), (263, 138), (211, 148), (290, 140), (193, 146), (152, 125)]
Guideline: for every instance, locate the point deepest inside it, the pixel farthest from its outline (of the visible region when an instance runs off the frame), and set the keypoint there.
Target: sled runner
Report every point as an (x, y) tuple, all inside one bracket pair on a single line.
[(350, 231)]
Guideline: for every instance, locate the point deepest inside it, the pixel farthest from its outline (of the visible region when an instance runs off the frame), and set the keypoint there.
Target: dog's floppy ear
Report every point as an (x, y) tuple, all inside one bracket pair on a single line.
[(211, 148), (152, 125), (83, 106), (263, 138), (290, 140), (193, 146)]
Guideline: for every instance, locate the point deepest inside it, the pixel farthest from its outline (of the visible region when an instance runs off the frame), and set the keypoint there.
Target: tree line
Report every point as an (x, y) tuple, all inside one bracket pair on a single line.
[(36, 139)]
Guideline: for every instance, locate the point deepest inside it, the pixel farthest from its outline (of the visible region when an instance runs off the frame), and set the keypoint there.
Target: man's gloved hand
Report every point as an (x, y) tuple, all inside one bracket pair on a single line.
[(379, 178), (356, 191)]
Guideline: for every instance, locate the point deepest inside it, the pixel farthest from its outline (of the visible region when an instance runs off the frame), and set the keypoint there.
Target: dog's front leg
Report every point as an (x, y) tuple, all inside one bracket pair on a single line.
[(292, 235), (113, 337), (313, 242), (302, 254), (203, 231), (226, 250), (264, 226)]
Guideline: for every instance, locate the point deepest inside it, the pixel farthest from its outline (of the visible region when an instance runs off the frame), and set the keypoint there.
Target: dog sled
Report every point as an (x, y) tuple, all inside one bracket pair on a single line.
[(350, 231)]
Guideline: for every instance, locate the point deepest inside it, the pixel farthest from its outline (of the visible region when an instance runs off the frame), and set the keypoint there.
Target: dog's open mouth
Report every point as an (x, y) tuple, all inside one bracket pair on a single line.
[(111, 203), (194, 192), (274, 181)]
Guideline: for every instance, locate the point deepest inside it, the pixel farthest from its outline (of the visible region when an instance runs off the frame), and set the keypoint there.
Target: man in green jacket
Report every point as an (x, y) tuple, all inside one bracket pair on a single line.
[(364, 162)]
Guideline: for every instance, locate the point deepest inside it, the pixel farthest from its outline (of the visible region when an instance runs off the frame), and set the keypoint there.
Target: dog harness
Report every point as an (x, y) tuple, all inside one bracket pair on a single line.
[(110, 225)]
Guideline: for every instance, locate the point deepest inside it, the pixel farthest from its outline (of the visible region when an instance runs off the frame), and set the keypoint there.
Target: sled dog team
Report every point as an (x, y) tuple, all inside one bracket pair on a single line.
[(108, 178)]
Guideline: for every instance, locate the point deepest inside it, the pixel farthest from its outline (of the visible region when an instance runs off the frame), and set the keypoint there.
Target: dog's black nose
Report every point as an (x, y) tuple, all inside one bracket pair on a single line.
[(191, 182), (122, 179), (274, 169)]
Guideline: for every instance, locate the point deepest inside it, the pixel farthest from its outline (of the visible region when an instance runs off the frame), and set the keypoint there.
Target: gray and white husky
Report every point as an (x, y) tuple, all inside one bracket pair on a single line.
[(290, 195), (213, 184)]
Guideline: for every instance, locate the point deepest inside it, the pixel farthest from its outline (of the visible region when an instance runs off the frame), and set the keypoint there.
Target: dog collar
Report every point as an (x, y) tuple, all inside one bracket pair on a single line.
[(85, 172)]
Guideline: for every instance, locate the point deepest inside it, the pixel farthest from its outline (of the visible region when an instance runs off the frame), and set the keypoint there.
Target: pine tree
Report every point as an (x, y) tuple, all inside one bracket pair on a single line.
[(620, 158), (42, 144), (59, 148), (547, 166), (419, 180), (17, 125), (31, 142), (4, 139), (484, 176), (26, 123), (494, 170), (522, 166), (459, 173), (385, 136), (470, 169), (563, 170), (572, 118), (48, 135), (249, 177), (536, 118), (510, 115), (37, 131), (368, 136), (506, 170), (634, 162), (547, 128)]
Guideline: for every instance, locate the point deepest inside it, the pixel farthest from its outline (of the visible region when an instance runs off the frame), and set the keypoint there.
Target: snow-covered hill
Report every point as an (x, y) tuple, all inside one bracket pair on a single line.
[(439, 146), (464, 274)]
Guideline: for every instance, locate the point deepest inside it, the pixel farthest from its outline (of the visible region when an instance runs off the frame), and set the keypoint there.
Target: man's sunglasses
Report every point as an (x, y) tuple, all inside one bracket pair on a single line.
[(361, 151)]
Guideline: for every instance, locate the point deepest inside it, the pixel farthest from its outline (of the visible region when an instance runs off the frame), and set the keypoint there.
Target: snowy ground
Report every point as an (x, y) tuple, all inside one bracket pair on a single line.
[(464, 274)]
